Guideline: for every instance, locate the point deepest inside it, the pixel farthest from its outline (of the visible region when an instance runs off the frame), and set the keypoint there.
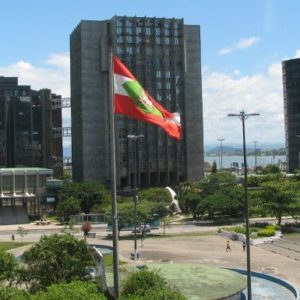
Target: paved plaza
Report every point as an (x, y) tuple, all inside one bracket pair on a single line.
[(280, 258)]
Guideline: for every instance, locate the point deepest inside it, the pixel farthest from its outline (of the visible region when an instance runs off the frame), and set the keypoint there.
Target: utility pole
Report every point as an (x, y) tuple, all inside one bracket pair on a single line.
[(220, 139), (255, 156), (134, 138), (243, 116)]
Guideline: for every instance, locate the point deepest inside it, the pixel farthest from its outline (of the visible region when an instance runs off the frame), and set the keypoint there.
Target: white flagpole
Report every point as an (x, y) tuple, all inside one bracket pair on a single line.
[(114, 209)]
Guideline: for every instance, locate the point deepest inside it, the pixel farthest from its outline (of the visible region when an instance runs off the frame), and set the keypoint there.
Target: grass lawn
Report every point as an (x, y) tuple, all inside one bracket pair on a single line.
[(11, 245)]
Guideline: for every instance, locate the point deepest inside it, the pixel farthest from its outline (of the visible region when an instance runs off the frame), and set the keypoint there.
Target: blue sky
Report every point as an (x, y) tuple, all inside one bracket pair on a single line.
[(243, 44)]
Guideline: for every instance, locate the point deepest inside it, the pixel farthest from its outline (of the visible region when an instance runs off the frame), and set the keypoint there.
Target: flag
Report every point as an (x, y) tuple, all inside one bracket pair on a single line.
[(132, 100)]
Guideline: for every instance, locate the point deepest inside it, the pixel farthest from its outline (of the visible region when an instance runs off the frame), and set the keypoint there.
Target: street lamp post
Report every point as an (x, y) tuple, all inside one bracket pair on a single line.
[(255, 156), (220, 139), (243, 116), (135, 139)]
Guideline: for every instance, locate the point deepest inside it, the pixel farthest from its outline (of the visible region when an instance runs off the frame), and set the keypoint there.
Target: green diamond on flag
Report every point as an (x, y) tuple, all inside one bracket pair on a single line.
[(132, 100)]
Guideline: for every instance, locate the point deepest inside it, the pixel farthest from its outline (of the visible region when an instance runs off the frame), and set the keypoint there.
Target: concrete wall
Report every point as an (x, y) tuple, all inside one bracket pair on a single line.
[(193, 123), (89, 90)]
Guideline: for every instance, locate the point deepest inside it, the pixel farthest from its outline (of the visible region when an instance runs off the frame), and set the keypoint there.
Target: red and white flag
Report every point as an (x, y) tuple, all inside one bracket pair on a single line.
[(132, 100)]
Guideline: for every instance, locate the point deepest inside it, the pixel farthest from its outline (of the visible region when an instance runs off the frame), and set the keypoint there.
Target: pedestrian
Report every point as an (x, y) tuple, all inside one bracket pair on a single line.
[(244, 246), (12, 237), (228, 246)]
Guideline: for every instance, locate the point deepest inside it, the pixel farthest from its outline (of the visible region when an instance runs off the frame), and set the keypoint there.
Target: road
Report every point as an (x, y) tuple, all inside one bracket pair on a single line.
[(280, 258)]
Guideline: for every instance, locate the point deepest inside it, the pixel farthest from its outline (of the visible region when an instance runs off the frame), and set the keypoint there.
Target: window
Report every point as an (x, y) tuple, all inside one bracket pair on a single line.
[(138, 30), (158, 74), (119, 30), (119, 50), (149, 51), (158, 97), (168, 74), (129, 39), (176, 41), (167, 41), (129, 50), (157, 31), (128, 30), (148, 30), (119, 39), (167, 32), (157, 40)]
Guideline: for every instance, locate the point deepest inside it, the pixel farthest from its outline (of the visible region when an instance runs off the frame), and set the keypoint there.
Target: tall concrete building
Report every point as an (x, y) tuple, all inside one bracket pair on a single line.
[(30, 122), (291, 91), (165, 56)]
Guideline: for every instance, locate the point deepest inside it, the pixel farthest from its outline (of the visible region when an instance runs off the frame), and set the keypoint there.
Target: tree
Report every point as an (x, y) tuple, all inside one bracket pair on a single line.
[(221, 195), (214, 167), (89, 194), (22, 232), (8, 267), (279, 196), (67, 207), (161, 195), (189, 196), (76, 290), (271, 169), (56, 259)]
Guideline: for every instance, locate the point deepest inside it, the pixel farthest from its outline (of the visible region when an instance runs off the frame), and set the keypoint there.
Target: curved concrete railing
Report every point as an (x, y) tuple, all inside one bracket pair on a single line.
[(275, 279)]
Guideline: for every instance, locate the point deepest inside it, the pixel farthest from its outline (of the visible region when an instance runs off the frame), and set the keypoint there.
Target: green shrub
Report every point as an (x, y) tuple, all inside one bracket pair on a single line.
[(8, 266), (76, 290), (158, 294), (138, 283), (273, 227), (10, 293), (238, 229), (266, 232)]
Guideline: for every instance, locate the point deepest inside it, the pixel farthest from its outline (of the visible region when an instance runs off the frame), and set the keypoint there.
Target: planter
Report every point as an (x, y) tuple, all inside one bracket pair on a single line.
[(241, 237)]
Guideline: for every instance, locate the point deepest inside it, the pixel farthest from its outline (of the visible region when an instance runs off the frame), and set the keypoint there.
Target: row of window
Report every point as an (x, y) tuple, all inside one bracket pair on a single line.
[(147, 22), (14, 92), (141, 40), (147, 31)]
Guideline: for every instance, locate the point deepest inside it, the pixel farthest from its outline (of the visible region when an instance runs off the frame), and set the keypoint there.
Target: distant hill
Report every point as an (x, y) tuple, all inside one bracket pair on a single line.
[(225, 150)]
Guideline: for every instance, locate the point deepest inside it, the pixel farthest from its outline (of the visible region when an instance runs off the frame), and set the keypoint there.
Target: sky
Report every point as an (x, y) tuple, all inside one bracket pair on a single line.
[(243, 44)]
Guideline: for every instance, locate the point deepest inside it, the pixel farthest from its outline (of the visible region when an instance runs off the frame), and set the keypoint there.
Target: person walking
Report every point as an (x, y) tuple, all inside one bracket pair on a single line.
[(244, 246), (228, 246)]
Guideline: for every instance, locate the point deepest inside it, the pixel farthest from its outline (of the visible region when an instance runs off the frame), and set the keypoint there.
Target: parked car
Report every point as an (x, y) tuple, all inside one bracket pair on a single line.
[(143, 229)]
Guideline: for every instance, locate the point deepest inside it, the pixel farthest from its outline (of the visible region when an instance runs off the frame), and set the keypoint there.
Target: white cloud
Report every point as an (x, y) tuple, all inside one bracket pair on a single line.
[(225, 51), (57, 79), (297, 54), (59, 60), (242, 44), (232, 93)]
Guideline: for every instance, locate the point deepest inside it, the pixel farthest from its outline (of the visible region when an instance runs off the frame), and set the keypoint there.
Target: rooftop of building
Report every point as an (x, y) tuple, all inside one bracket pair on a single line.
[(27, 170)]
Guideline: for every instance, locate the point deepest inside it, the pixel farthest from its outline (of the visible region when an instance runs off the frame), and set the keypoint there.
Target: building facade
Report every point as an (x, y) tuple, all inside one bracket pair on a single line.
[(22, 191), (30, 127), (165, 56), (291, 91)]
